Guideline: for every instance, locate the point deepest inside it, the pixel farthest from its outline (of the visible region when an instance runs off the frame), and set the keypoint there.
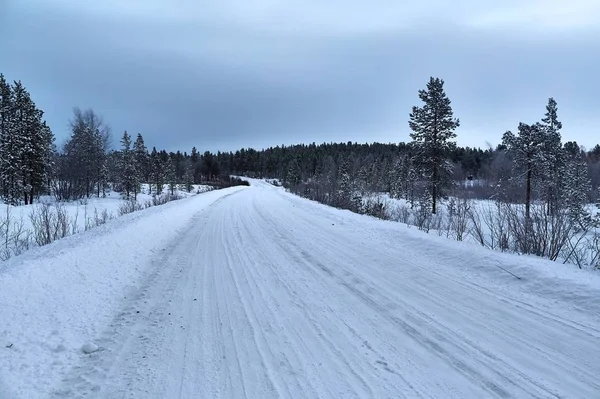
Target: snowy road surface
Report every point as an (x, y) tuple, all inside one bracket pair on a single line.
[(265, 295)]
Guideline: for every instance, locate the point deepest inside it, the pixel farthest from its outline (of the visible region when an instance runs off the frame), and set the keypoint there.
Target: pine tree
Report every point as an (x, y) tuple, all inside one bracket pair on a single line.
[(195, 164), (189, 177), (344, 193), (363, 179), (140, 153), (433, 128), (37, 140), (407, 177), (16, 145), (158, 171), (128, 171), (170, 175), (383, 178), (293, 176), (527, 151), (552, 163), (85, 168), (6, 128), (577, 185)]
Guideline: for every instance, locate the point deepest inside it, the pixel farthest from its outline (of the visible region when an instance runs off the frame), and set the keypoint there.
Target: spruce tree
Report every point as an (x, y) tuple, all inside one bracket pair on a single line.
[(527, 151), (86, 151), (37, 140), (141, 157), (577, 185), (344, 183), (195, 164), (140, 153), (16, 145), (363, 179), (158, 171), (552, 163), (433, 128), (6, 118), (170, 175), (293, 176), (189, 176), (128, 171)]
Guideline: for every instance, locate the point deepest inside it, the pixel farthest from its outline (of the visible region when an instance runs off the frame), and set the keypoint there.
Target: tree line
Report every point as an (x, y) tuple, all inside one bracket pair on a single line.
[(541, 188), (529, 165)]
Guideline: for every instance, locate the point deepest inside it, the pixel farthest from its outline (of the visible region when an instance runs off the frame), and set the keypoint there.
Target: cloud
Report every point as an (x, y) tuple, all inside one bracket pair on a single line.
[(221, 75), (548, 16)]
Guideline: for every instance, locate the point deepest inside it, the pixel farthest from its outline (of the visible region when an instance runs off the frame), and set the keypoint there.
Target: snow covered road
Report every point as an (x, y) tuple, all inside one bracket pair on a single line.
[(266, 295)]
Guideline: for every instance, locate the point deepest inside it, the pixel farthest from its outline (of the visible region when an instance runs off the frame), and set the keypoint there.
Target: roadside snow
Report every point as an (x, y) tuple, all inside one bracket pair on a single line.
[(55, 299), (83, 209), (90, 347)]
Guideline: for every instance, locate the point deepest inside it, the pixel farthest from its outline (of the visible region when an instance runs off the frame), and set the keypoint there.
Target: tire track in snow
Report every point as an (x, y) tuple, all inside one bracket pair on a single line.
[(492, 386), (438, 344), (249, 313), (87, 378), (243, 265), (296, 254), (310, 329)]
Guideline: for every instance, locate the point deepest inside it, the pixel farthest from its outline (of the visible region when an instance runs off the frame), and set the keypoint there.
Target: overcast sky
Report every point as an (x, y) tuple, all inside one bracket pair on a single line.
[(226, 74)]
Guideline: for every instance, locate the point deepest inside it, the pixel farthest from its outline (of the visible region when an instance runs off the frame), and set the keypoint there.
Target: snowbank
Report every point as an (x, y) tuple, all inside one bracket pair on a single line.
[(54, 299), (85, 207)]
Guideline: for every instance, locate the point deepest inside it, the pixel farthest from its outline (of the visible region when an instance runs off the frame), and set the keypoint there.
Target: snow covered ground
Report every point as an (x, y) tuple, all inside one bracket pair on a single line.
[(484, 211), (85, 207), (251, 292), (17, 232)]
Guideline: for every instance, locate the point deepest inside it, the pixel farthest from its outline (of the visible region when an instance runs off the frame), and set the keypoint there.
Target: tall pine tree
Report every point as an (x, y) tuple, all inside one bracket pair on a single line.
[(433, 128), (12, 145), (157, 171), (527, 151), (552, 163), (140, 153), (128, 171), (171, 175), (577, 185)]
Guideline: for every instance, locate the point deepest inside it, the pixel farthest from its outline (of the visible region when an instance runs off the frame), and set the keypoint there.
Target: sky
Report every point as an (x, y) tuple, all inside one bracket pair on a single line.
[(227, 74)]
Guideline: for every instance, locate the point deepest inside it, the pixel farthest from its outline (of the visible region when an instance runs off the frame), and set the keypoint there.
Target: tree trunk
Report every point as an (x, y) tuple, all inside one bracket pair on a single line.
[(434, 190), (528, 193)]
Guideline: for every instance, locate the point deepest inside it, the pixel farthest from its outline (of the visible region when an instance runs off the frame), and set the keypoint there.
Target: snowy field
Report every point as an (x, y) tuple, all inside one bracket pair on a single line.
[(251, 292), (86, 207), (486, 212), (81, 214)]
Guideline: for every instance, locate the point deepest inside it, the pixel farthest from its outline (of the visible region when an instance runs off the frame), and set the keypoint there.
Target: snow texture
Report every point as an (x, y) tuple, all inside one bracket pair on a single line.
[(85, 208), (90, 347), (253, 292)]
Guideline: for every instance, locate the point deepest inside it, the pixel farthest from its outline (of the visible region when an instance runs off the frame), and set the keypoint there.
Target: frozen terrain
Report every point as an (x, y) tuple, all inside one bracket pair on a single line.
[(255, 293), (83, 209)]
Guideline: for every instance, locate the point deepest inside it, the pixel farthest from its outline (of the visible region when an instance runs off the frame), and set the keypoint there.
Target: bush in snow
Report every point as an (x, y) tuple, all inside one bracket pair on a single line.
[(459, 217), (14, 237), (422, 217), (375, 206), (98, 218), (49, 223), (400, 213), (163, 199), (129, 206)]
